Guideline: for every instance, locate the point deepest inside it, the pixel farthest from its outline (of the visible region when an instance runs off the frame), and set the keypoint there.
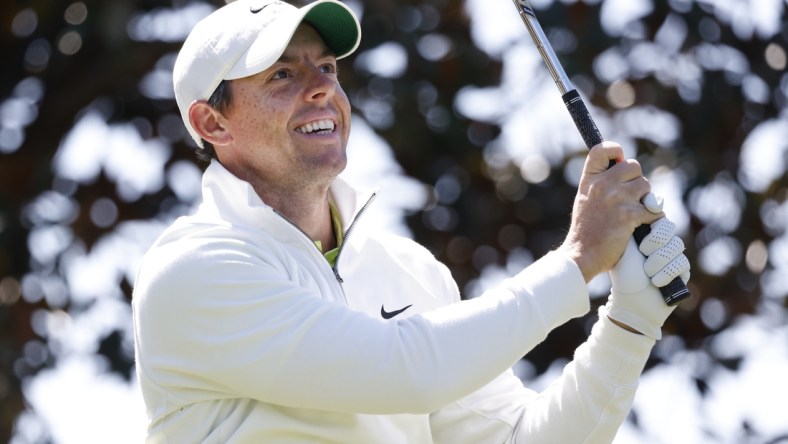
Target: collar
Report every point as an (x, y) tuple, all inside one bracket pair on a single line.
[(234, 201)]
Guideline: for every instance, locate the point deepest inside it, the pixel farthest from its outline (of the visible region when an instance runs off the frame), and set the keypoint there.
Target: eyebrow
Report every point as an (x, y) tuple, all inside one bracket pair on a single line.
[(288, 59)]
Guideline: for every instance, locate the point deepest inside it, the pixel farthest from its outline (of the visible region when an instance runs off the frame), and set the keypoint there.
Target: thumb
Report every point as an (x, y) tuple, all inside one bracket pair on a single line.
[(601, 155)]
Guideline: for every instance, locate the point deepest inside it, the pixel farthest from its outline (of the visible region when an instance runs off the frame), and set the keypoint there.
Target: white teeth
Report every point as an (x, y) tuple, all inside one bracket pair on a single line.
[(325, 124)]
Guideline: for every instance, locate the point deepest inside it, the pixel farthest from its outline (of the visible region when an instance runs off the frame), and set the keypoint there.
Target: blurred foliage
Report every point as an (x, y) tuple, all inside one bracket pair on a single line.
[(62, 58)]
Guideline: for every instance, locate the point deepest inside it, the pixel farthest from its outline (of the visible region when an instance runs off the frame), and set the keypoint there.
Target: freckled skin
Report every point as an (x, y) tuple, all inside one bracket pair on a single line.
[(265, 149)]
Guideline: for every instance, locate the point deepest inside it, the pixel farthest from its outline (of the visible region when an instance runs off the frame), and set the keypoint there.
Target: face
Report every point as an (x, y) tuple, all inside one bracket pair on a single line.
[(289, 123)]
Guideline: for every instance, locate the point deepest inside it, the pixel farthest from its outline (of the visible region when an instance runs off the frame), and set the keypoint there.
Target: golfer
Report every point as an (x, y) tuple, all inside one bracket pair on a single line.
[(274, 314)]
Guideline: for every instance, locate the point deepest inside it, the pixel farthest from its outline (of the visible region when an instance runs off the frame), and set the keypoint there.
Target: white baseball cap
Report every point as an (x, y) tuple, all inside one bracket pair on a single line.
[(246, 37)]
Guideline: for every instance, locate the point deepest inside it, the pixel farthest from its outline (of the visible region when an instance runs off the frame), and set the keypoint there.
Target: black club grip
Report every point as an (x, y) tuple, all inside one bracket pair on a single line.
[(676, 290), (585, 124)]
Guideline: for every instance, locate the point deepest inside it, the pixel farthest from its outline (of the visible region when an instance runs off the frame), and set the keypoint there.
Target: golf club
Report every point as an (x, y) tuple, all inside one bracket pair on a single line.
[(676, 291)]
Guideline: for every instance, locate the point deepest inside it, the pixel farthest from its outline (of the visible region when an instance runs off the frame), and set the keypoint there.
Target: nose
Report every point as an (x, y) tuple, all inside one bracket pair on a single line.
[(321, 86)]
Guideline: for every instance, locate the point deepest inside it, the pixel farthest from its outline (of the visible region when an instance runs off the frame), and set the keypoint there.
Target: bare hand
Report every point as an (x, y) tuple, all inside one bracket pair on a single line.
[(607, 209)]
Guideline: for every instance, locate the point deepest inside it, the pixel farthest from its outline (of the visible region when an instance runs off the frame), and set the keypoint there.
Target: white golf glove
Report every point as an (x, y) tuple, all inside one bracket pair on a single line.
[(635, 299)]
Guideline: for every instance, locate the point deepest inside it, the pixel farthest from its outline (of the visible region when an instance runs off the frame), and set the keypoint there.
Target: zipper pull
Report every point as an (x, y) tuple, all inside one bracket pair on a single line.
[(336, 274)]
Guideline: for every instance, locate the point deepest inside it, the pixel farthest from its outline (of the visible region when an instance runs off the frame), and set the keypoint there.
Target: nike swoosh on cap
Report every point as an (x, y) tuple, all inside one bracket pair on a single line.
[(254, 10), (390, 314)]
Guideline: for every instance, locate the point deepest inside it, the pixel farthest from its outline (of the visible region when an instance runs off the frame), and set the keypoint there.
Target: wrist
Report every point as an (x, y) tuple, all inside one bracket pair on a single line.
[(572, 251), (624, 326)]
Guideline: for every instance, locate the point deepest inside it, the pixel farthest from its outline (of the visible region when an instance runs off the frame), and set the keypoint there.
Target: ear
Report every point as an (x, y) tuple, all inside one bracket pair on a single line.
[(209, 123)]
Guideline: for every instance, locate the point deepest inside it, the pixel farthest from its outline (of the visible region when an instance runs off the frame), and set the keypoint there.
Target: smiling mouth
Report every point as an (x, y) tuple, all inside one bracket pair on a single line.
[(324, 126)]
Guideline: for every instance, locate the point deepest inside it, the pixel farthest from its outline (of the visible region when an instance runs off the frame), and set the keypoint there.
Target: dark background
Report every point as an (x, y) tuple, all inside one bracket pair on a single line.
[(104, 69)]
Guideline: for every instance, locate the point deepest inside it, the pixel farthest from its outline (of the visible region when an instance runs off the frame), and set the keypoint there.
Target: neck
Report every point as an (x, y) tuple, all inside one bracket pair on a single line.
[(303, 202)]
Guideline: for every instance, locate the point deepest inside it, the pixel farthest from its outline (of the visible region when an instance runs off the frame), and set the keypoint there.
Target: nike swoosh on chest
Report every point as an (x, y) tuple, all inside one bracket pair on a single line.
[(390, 314)]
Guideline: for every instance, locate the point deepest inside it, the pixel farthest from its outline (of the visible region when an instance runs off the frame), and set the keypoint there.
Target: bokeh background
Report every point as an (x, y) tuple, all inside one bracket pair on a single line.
[(458, 123)]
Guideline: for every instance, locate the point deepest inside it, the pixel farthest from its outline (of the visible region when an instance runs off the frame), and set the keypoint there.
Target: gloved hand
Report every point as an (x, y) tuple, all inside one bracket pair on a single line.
[(635, 299)]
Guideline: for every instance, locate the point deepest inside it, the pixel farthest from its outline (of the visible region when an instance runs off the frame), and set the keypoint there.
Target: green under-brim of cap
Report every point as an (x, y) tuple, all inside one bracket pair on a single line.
[(336, 26)]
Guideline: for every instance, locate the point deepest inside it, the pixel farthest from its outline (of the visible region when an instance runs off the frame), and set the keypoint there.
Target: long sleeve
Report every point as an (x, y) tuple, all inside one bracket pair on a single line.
[(593, 396), (223, 321), (587, 404), (244, 333)]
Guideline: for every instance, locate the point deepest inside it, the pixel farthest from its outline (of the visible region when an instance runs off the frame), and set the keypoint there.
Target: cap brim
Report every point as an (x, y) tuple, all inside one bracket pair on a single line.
[(338, 27)]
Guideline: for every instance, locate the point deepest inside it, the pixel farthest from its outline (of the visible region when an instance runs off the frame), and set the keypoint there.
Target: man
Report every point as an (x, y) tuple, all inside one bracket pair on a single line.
[(273, 314)]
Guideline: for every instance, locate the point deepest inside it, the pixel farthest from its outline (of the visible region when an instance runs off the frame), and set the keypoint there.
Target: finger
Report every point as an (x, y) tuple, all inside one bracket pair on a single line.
[(600, 156), (662, 257), (653, 202), (632, 190), (632, 193), (629, 170), (662, 231), (675, 268), (647, 217), (686, 276)]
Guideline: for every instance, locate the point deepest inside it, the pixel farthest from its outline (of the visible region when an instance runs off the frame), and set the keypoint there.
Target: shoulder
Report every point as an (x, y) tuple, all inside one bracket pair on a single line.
[(187, 240), (408, 256), (405, 249), (189, 255)]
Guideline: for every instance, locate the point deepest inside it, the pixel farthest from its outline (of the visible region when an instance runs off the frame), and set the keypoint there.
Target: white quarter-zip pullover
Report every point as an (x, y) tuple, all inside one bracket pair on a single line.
[(245, 334)]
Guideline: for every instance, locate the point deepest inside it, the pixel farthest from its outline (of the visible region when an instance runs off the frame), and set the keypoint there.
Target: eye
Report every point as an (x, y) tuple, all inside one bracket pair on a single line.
[(328, 68), (280, 74)]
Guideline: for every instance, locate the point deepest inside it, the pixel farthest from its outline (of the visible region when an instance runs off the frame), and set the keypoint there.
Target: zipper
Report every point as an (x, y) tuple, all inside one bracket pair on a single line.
[(293, 224), (335, 267)]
